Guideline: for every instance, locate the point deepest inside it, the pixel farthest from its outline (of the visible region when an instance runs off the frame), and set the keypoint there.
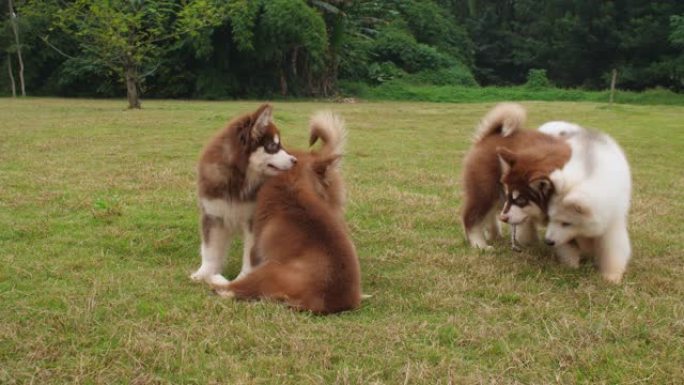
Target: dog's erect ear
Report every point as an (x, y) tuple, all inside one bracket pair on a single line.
[(542, 186), (263, 117), (321, 166), (507, 158), (575, 203)]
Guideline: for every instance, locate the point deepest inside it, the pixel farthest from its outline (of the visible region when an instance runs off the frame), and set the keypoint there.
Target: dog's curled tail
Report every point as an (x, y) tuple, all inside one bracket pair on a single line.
[(503, 119), (329, 127)]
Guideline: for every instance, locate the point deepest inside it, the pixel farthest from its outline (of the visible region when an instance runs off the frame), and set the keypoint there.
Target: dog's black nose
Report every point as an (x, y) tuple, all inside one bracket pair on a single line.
[(549, 242), (293, 160)]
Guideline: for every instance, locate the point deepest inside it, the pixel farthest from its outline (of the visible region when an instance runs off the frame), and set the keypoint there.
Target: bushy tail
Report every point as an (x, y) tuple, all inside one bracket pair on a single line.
[(503, 119), (329, 127)]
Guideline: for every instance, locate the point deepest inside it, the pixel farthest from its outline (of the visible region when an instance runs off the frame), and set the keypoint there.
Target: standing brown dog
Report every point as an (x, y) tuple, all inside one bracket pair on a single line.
[(306, 256), (503, 152), (232, 167)]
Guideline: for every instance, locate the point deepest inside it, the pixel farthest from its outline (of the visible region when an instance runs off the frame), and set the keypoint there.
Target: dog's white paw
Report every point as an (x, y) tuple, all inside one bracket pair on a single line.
[(477, 240), (220, 284), (571, 261), (225, 293), (199, 276), (568, 255), (217, 280), (242, 274), (209, 276), (612, 277), (480, 244)]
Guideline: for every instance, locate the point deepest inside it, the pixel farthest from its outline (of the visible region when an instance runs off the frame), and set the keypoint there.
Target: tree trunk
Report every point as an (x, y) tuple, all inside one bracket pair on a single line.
[(283, 82), (11, 76), (132, 87), (472, 7), (15, 29), (295, 53), (330, 80)]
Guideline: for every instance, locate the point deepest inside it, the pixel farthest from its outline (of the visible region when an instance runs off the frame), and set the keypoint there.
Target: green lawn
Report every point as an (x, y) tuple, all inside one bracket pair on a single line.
[(98, 234)]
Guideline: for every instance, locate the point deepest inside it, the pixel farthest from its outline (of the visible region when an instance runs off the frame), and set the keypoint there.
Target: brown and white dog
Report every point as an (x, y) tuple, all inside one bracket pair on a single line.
[(232, 168), (306, 256), (505, 155), (527, 184), (527, 175)]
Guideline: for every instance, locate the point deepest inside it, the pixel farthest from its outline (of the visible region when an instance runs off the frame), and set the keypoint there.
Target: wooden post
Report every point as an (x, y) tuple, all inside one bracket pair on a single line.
[(612, 86)]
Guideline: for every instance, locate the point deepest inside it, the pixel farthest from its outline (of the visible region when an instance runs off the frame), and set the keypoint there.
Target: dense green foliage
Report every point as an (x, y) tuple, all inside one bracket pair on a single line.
[(266, 48)]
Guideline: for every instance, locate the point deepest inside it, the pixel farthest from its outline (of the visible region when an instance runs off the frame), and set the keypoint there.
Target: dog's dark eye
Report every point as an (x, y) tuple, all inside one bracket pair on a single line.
[(520, 202), (272, 147), (565, 224)]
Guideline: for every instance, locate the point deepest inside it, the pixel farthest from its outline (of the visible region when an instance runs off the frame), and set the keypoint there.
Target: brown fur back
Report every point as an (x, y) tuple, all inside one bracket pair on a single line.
[(535, 162)]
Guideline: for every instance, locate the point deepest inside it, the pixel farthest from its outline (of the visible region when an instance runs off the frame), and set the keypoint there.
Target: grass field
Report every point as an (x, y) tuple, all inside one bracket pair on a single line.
[(98, 233)]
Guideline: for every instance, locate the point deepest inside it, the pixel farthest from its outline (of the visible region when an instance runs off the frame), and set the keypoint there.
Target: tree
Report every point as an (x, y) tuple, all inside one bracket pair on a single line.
[(263, 46), (677, 34), (677, 39), (17, 48), (6, 42), (258, 48), (337, 25), (127, 36), (293, 35)]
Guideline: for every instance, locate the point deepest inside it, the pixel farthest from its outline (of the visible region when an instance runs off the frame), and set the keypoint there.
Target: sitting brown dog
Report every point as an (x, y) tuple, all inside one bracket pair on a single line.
[(302, 245)]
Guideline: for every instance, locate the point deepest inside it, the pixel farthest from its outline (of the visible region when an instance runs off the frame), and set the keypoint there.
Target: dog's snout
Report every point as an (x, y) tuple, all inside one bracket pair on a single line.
[(549, 242), (503, 218), (293, 160)]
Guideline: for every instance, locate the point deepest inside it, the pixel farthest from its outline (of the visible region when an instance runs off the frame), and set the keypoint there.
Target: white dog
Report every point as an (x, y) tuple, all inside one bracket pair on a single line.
[(588, 213)]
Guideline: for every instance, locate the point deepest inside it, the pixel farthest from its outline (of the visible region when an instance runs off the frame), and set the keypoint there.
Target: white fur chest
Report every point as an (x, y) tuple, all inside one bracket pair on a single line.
[(234, 214)]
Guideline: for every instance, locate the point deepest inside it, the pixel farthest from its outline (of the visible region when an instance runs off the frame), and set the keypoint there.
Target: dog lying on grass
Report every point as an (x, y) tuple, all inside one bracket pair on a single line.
[(303, 252)]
